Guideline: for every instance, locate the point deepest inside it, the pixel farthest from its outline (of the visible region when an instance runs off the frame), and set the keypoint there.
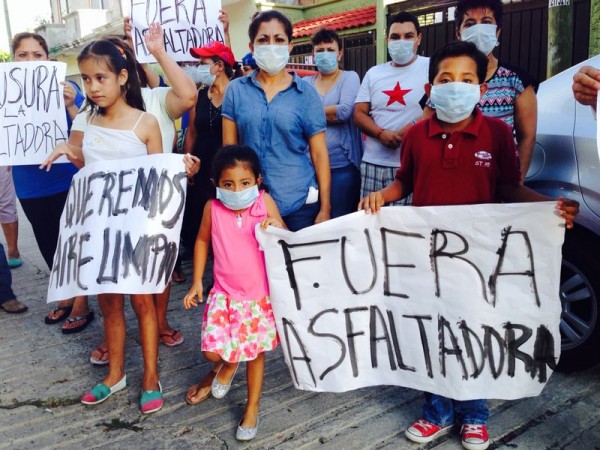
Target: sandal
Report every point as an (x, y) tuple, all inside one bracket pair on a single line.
[(178, 276), (196, 388), (103, 360), (171, 338), (87, 319), (13, 306), (66, 312)]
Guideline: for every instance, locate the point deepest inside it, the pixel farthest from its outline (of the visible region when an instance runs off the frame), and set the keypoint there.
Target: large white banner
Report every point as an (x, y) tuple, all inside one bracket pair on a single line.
[(32, 111), (186, 23), (460, 301), (120, 228)]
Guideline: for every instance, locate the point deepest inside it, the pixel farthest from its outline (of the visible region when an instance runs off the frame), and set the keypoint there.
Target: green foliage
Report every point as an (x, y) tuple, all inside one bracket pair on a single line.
[(4, 56)]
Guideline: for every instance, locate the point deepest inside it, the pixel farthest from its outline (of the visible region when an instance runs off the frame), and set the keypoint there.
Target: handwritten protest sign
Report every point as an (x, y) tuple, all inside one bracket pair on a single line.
[(32, 111), (186, 23), (120, 228), (460, 301)]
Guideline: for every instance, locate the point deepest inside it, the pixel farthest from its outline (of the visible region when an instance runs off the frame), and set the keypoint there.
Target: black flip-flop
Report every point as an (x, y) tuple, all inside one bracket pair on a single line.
[(66, 311), (89, 318)]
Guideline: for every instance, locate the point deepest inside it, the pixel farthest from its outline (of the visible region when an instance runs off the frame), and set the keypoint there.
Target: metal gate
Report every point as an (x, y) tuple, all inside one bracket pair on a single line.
[(524, 38)]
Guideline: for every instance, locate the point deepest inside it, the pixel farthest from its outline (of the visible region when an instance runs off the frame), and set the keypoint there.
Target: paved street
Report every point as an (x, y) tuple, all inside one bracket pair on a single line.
[(43, 373)]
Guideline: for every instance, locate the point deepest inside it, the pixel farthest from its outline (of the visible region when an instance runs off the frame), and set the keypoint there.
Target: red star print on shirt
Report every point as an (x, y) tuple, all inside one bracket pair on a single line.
[(397, 94)]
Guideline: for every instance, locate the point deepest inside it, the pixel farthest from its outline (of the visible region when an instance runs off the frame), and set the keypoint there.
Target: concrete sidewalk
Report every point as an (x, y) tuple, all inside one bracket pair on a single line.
[(43, 374)]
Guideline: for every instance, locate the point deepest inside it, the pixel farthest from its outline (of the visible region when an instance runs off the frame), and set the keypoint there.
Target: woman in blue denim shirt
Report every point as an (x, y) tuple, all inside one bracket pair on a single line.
[(280, 117)]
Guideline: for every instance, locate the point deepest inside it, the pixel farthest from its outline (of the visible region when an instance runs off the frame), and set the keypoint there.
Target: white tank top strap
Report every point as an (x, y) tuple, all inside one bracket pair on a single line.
[(138, 121)]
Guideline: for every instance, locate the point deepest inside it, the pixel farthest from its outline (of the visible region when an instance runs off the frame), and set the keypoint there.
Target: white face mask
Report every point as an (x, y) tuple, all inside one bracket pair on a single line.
[(200, 74), (483, 35), (454, 101), (271, 58), (401, 50)]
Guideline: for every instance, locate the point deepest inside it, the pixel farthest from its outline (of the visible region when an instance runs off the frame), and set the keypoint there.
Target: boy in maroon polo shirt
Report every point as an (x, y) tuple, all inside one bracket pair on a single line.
[(458, 157)]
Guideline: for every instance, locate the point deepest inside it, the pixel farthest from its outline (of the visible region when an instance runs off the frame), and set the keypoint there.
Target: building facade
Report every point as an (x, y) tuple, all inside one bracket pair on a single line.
[(361, 24)]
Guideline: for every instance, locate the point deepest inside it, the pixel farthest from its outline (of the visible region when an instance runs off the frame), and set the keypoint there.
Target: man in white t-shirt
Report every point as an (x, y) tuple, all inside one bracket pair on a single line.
[(388, 101)]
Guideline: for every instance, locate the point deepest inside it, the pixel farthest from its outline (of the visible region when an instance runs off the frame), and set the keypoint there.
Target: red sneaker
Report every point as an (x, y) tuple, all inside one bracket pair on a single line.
[(474, 437), (422, 431)]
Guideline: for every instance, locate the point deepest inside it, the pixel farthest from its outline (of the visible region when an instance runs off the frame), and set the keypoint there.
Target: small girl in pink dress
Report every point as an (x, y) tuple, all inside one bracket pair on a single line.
[(238, 323)]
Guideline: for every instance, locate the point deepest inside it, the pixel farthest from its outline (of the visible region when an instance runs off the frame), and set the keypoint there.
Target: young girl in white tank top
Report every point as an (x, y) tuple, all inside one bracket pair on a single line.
[(117, 128)]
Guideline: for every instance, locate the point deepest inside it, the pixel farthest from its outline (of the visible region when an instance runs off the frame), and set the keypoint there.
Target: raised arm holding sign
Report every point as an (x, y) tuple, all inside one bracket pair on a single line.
[(187, 24)]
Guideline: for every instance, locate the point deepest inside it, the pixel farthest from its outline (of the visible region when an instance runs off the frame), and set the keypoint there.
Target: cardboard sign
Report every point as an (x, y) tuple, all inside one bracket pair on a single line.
[(186, 23), (32, 111), (120, 227), (460, 301)]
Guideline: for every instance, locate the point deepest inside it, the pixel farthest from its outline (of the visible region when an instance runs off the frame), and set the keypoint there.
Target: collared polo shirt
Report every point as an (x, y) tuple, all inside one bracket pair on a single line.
[(278, 131), (459, 168)]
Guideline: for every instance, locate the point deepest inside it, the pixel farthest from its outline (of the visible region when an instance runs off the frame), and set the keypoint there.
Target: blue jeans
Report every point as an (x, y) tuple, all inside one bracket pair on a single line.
[(304, 217), (443, 411), (6, 292), (345, 190)]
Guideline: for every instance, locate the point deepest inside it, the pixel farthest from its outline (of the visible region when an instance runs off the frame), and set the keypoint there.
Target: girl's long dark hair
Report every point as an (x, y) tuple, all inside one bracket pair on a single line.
[(122, 44), (116, 59)]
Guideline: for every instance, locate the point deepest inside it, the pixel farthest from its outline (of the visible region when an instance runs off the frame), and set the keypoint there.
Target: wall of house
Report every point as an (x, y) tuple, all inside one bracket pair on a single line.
[(239, 20), (72, 68), (293, 12), (327, 7), (83, 21), (595, 28)]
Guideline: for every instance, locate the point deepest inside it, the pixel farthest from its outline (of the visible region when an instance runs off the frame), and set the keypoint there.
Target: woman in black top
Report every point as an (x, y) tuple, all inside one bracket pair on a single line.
[(204, 135)]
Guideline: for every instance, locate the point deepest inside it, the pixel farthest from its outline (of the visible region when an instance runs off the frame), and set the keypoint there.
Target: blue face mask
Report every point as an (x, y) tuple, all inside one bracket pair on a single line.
[(326, 62), (454, 101), (237, 200)]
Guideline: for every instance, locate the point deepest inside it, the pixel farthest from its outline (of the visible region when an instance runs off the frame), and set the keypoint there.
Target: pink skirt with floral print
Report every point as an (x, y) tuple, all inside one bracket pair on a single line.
[(238, 330)]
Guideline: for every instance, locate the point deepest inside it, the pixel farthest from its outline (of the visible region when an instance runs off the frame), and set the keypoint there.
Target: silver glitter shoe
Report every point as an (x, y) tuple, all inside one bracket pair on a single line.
[(246, 434), (219, 390)]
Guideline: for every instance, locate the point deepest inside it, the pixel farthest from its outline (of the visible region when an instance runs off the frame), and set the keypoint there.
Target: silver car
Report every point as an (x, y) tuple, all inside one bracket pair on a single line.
[(566, 162)]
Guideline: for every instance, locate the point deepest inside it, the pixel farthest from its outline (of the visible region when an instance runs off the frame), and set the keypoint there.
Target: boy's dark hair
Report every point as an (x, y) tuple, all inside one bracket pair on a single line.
[(16, 41), (325, 36), (403, 17), (117, 59), (229, 156), (267, 16), (455, 49), (464, 5)]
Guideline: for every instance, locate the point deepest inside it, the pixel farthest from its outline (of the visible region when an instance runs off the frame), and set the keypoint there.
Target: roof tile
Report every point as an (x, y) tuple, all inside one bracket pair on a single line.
[(336, 22)]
